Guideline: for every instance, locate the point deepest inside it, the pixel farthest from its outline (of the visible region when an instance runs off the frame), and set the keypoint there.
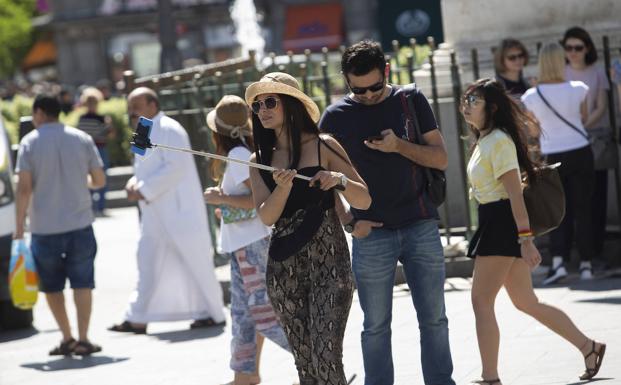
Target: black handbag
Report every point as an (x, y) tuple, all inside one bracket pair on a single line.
[(545, 200), (435, 180)]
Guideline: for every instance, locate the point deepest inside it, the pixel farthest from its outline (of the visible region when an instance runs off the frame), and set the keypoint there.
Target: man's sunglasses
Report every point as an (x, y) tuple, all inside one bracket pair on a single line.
[(363, 90), (515, 57), (576, 48), (269, 103)]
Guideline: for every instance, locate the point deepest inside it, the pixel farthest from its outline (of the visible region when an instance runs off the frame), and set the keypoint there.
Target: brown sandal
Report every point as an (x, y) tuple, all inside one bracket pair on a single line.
[(64, 349), (206, 323), (599, 357), (126, 327), (86, 348)]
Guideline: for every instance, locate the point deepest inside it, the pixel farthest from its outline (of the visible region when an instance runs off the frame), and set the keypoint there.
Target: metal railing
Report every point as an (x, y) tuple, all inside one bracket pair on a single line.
[(188, 95)]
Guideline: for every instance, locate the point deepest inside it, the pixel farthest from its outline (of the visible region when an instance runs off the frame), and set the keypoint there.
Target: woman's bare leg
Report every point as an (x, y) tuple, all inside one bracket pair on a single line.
[(520, 288), (489, 277)]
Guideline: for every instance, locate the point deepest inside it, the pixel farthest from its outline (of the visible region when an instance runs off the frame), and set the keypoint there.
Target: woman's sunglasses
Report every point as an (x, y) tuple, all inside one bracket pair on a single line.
[(515, 57), (269, 103), (576, 48), (363, 90), (470, 100)]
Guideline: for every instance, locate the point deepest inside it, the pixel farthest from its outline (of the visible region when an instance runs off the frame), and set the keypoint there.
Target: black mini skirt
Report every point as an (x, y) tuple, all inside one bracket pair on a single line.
[(497, 234)]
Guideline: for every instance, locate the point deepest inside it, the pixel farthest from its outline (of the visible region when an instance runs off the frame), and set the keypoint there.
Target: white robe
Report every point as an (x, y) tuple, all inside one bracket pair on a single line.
[(176, 279)]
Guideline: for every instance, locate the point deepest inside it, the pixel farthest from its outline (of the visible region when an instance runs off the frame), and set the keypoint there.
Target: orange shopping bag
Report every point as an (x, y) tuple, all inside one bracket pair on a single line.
[(23, 277)]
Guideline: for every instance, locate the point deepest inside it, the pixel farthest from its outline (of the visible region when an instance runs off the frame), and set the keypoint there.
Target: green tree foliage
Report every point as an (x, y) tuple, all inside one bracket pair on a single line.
[(15, 33)]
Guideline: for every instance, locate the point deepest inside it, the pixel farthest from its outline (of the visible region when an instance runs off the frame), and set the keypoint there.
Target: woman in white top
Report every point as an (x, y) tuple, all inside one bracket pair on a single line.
[(582, 65), (503, 245), (245, 238), (565, 140)]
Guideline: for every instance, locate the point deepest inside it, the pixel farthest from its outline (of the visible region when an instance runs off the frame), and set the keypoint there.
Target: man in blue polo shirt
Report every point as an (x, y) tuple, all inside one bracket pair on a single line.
[(402, 223), (56, 165)]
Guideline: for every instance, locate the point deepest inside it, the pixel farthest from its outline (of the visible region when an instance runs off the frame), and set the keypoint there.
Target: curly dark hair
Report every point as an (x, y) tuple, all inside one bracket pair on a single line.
[(362, 58)]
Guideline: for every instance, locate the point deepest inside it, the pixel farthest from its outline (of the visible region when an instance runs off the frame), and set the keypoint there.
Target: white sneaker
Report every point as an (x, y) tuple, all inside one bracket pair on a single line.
[(586, 273), (555, 275), (541, 270)]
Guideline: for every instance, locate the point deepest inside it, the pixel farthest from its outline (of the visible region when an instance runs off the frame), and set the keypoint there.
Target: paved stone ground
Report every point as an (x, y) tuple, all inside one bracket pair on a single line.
[(172, 354)]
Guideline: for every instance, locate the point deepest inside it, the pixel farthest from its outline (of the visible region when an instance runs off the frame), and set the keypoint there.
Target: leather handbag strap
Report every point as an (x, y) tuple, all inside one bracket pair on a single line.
[(579, 131), (416, 136)]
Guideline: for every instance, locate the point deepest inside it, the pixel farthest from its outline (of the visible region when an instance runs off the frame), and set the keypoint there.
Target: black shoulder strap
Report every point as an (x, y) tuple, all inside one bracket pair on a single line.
[(319, 150), (579, 131), (408, 106), (417, 137)]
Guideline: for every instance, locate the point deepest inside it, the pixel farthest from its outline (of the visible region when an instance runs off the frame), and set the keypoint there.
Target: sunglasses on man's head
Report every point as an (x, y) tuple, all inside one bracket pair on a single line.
[(576, 48), (269, 103), (515, 57)]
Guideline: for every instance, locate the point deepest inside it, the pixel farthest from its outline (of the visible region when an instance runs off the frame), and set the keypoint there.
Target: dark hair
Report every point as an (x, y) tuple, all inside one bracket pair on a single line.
[(502, 112), (501, 51), (296, 121), (582, 34), (362, 58), (224, 144), (49, 104)]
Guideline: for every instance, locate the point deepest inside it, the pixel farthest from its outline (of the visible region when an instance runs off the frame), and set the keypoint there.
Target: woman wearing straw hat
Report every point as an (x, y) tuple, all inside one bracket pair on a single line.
[(309, 279), (244, 238)]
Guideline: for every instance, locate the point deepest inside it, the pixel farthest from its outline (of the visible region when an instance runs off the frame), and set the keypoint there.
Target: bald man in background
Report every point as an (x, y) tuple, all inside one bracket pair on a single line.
[(176, 279)]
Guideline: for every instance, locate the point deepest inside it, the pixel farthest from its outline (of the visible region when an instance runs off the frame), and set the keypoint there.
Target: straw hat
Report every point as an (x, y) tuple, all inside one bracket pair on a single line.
[(230, 117), (282, 83)]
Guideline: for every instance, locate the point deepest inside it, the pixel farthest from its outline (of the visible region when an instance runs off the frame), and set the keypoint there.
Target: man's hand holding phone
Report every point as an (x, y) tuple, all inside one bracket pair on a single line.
[(386, 142)]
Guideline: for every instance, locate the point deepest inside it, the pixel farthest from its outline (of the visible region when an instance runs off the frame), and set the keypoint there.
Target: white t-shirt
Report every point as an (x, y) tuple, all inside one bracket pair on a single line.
[(234, 236), (556, 135)]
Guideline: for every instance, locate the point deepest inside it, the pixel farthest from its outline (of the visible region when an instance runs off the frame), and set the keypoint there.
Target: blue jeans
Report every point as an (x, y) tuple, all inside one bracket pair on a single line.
[(375, 257), (63, 256)]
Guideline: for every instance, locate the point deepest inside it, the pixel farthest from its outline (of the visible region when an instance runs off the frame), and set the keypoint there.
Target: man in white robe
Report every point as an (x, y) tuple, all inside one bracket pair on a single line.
[(176, 279)]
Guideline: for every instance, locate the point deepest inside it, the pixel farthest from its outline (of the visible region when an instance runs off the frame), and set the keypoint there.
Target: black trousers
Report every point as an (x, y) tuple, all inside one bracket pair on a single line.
[(577, 175), (600, 204)]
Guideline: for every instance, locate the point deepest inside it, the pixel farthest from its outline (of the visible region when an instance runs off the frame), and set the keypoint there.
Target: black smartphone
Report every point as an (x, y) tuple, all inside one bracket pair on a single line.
[(375, 137)]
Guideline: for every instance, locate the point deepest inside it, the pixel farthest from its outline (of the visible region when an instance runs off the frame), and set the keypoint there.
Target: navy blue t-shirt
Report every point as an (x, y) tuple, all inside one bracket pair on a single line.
[(395, 182)]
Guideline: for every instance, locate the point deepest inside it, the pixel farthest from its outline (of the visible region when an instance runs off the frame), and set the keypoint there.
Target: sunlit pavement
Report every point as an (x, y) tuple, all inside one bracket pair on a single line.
[(173, 354)]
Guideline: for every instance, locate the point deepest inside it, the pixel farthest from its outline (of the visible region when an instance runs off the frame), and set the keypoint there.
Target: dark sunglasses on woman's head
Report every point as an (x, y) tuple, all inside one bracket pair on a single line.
[(515, 57), (576, 48), (269, 103)]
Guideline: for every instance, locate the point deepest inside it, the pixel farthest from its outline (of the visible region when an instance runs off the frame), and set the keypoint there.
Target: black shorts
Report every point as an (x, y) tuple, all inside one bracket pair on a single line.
[(497, 234)]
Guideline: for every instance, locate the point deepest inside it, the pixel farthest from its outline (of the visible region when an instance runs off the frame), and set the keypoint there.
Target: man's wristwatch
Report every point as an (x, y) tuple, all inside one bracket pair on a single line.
[(350, 226)]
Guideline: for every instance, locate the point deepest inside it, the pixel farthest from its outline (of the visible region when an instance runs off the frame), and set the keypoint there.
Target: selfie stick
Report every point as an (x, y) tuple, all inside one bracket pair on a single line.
[(140, 142)]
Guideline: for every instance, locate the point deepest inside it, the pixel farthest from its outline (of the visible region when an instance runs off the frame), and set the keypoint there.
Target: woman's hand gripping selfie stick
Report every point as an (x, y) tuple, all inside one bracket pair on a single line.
[(141, 141)]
